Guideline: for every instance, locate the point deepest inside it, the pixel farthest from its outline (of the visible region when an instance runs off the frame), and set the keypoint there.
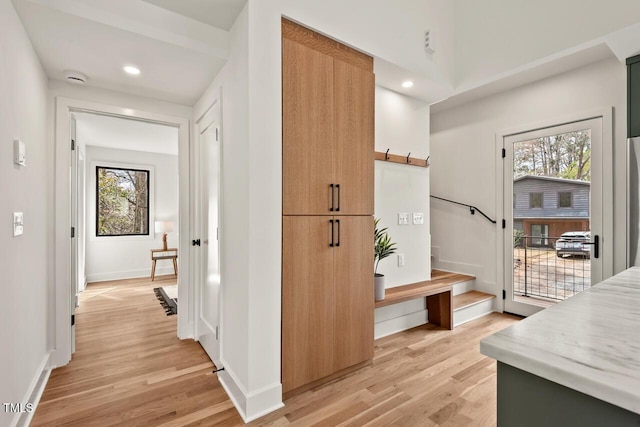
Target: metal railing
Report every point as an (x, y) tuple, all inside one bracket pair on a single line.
[(539, 270), (472, 209)]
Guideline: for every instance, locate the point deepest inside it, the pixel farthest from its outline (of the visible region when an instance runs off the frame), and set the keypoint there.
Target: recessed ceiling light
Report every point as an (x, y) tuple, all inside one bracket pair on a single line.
[(130, 69), (407, 84)]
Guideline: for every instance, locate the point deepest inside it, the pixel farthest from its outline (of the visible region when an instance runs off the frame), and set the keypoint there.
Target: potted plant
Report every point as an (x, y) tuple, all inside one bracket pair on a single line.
[(383, 247)]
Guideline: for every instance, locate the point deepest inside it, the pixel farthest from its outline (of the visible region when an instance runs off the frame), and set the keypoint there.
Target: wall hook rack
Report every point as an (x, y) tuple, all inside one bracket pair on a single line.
[(404, 160)]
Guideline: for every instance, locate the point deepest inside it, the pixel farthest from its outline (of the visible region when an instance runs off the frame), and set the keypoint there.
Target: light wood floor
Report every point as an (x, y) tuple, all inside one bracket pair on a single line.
[(129, 369)]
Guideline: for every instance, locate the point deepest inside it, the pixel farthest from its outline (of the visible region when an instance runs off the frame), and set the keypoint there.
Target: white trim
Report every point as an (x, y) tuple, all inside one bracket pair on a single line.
[(34, 393), (606, 115), (62, 243), (129, 274)]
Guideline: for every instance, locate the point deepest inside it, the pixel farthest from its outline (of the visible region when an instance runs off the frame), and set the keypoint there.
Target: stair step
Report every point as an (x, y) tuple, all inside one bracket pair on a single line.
[(470, 298)]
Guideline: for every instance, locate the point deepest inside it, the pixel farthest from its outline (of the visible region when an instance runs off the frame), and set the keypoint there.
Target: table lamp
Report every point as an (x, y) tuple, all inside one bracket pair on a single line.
[(164, 227)]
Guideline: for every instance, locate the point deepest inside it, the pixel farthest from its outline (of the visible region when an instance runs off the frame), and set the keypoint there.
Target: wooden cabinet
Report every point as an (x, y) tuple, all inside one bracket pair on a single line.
[(327, 206), (328, 132), (327, 296), (633, 96)]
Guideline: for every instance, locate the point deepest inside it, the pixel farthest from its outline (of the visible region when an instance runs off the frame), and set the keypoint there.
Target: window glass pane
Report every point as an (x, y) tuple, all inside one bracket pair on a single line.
[(535, 200), (564, 199), (122, 202)]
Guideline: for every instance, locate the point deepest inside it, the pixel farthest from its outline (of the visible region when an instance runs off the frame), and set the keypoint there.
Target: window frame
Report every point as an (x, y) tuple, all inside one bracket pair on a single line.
[(92, 200), (570, 193), (531, 195)]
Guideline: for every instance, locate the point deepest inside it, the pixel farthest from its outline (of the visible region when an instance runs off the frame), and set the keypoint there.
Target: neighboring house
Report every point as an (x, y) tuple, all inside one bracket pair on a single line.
[(547, 207)]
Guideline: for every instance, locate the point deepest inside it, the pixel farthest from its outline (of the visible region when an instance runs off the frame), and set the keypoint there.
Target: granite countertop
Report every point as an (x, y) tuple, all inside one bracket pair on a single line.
[(590, 343)]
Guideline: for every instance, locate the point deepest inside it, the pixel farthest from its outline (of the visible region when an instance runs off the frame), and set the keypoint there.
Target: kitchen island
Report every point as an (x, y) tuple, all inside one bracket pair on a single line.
[(574, 364)]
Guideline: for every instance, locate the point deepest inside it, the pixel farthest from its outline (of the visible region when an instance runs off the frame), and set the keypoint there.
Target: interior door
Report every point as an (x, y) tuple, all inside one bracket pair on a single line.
[(353, 263), (74, 229), (208, 303), (553, 242), (307, 130), (308, 299), (354, 112)]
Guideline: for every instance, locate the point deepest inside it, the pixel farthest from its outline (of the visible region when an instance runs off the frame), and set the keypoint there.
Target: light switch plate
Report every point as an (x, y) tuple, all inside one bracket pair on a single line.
[(19, 153), (418, 218), (400, 260), (403, 218), (18, 224)]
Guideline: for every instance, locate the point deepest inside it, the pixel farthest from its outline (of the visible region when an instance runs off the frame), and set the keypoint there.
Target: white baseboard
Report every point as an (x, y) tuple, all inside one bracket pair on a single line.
[(473, 312), (34, 393), (254, 405), (400, 323), (130, 274)]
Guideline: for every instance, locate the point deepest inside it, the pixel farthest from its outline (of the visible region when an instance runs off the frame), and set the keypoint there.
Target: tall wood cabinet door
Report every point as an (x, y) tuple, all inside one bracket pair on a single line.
[(353, 263), (307, 130), (354, 159), (308, 300)]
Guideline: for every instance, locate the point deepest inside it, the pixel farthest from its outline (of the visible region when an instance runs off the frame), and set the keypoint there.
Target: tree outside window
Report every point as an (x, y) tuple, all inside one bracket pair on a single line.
[(122, 201)]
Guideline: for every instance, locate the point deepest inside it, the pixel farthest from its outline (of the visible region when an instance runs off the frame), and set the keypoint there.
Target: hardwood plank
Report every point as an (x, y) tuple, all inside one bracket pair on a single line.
[(309, 38), (129, 367), (470, 298), (307, 130)]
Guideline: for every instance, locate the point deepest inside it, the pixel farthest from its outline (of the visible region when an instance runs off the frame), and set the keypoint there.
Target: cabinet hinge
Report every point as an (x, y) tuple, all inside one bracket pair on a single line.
[(73, 232), (73, 319), (504, 294), (73, 144), (504, 153), (504, 223)]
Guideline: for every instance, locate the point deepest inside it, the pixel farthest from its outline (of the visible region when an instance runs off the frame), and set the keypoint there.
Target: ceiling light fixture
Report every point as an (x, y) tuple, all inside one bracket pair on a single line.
[(130, 69), (407, 84)]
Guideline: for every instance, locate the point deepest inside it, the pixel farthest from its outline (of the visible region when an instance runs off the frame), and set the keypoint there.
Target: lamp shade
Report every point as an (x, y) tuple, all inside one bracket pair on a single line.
[(164, 226)]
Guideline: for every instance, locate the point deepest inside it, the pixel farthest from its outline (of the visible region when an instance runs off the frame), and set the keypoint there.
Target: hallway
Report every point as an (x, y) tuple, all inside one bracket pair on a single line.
[(129, 367)]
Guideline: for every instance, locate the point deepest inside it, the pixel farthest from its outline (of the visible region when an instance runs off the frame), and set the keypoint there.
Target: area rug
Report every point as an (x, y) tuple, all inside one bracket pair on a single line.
[(168, 297)]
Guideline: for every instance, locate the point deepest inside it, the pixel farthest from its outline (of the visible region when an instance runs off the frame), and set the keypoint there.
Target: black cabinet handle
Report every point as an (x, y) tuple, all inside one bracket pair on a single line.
[(338, 187), (195, 242), (332, 197), (338, 222), (331, 224)]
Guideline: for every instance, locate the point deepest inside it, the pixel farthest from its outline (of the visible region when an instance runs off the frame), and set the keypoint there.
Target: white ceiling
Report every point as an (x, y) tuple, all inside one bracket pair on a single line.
[(125, 134), (219, 13), (178, 56)]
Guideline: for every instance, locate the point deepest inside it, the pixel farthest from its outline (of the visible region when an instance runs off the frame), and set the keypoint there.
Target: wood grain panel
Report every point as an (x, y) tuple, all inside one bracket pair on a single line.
[(470, 298), (440, 309), (310, 38), (308, 309), (354, 122), (307, 130), (353, 263)]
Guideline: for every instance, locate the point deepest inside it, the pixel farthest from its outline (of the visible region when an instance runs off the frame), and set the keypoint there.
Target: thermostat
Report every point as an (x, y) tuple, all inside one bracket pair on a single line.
[(19, 153)]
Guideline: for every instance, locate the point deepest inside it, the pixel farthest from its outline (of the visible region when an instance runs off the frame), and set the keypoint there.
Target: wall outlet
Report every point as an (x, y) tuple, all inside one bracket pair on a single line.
[(400, 260), (418, 218), (403, 218)]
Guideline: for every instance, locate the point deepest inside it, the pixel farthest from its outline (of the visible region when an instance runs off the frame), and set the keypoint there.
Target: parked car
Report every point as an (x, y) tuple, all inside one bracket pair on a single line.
[(574, 243)]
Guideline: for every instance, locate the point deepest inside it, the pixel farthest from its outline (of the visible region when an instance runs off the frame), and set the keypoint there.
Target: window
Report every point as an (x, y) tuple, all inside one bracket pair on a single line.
[(564, 199), (535, 200), (538, 232), (122, 201)]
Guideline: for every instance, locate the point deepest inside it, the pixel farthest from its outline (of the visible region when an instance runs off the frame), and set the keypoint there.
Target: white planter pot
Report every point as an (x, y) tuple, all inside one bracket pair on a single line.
[(379, 286)]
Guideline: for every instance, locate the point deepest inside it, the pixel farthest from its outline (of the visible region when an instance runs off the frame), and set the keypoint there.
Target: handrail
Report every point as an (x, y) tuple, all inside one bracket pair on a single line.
[(472, 209)]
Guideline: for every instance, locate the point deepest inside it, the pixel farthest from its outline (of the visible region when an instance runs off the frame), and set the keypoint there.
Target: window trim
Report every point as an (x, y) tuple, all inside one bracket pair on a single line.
[(570, 200), (92, 200), (531, 193)]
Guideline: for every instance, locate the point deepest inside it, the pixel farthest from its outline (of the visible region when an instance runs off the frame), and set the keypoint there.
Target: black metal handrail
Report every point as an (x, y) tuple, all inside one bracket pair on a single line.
[(472, 209)]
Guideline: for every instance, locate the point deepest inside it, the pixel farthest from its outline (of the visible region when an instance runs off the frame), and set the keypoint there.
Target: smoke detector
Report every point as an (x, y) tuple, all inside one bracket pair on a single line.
[(75, 77)]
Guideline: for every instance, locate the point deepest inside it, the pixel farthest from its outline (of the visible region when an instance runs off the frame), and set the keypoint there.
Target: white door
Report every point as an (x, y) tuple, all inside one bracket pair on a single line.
[(208, 295), (74, 230), (553, 206)]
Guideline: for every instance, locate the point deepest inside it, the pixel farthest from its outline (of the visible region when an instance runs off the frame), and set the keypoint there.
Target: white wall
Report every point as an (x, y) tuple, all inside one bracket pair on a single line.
[(464, 161), (496, 36), (23, 260), (402, 126), (112, 258)]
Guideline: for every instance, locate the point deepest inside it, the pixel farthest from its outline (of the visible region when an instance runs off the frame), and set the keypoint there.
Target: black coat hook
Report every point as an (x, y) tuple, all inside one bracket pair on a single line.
[(408, 160), (386, 155)]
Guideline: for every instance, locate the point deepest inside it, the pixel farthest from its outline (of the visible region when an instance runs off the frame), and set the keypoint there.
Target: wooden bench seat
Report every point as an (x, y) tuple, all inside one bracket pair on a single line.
[(438, 291)]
